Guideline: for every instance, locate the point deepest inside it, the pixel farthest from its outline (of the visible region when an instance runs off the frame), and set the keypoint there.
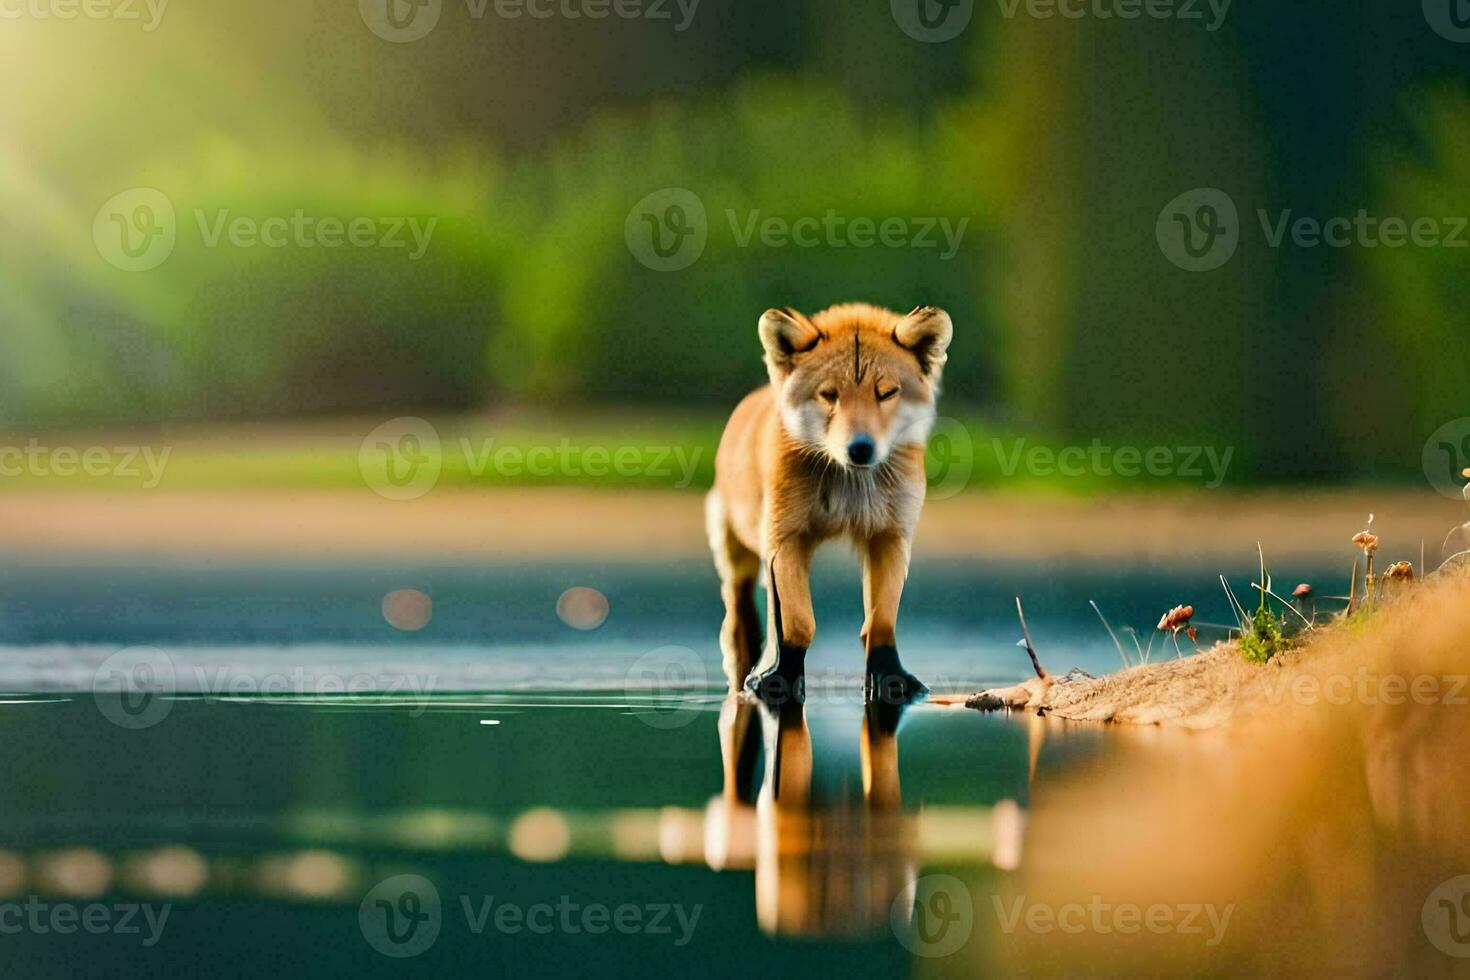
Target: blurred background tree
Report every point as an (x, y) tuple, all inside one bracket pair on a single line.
[(530, 140)]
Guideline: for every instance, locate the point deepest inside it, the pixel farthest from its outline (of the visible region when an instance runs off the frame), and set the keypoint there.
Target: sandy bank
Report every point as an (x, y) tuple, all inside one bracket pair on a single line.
[(1208, 690), (511, 524)]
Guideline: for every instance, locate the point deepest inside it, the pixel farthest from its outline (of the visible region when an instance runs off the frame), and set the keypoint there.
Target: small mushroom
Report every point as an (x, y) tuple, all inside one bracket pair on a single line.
[(1368, 541), (1306, 601), (1174, 621)]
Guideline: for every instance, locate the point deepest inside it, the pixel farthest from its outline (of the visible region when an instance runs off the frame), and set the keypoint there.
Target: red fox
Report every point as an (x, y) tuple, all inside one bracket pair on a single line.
[(833, 446)]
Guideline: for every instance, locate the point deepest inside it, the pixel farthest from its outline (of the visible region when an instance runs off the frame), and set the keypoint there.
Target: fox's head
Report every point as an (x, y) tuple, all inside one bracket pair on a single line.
[(855, 381)]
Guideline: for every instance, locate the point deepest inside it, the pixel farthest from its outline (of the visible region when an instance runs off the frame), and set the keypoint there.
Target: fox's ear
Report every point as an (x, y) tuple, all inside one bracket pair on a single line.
[(784, 334), (927, 332)]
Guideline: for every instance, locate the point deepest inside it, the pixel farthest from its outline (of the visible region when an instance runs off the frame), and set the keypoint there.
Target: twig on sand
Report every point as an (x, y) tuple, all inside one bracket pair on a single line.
[(1030, 648), (1353, 589)]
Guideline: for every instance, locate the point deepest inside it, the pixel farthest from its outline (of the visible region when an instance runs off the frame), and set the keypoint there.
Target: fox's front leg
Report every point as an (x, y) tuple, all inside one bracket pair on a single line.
[(885, 566), (792, 623)]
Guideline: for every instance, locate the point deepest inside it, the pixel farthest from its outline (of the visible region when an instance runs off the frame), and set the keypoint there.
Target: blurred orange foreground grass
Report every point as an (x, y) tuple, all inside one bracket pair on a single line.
[(1326, 808)]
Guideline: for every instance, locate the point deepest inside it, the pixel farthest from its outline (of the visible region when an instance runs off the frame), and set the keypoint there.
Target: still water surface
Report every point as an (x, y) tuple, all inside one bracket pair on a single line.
[(310, 789)]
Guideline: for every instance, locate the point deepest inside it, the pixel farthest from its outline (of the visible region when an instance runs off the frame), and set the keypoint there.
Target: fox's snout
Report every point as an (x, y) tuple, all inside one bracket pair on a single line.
[(861, 450)]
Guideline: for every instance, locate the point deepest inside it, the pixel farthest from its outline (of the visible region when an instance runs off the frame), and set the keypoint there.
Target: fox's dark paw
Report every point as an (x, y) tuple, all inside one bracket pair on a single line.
[(887, 682), (783, 681)]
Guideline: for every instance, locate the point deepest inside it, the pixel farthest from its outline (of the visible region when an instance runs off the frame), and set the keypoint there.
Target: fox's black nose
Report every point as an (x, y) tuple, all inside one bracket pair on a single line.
[(861, 450)]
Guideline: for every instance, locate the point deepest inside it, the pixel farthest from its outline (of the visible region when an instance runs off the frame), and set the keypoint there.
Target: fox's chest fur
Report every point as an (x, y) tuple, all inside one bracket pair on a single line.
[(830, 502)]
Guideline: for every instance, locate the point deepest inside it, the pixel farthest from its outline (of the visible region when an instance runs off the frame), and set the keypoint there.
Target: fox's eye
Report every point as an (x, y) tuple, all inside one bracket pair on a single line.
[(828, 395), (883, 395)]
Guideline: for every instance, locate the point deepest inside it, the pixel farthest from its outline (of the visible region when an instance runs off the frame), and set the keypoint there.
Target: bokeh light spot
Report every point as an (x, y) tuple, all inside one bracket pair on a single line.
[(79, 872), (179, 871), (12, 873), (408, 610), (582, 608), (540, 835)]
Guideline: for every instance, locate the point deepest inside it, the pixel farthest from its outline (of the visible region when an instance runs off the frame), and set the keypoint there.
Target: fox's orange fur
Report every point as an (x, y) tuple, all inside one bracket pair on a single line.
[(832, 447)]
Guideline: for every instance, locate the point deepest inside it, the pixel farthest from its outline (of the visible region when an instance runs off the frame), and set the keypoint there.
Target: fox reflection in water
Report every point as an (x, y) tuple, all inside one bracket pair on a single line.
[(823, 866)]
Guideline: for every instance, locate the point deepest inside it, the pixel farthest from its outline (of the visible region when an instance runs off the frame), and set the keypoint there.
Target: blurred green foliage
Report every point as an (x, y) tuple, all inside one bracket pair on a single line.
[(1057, 141)]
